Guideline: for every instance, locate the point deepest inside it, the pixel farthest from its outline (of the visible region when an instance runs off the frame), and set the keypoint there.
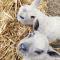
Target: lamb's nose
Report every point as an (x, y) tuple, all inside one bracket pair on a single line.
[(24, 47)]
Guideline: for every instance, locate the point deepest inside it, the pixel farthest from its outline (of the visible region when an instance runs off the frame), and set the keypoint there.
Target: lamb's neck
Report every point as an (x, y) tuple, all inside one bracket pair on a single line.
[(43, 19)]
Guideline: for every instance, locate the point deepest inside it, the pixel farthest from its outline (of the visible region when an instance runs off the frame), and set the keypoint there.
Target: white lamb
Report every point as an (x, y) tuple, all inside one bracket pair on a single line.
[(48, 25), (36, 47)]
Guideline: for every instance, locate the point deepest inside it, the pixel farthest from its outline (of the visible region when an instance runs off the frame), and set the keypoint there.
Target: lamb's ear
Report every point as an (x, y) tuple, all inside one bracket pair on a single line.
[(36, 25), (35, 3), (51, 52)]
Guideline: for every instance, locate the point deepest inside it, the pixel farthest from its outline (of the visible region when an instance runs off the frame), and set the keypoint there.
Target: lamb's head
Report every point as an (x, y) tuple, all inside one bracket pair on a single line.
[(35, 46), (27, 13)]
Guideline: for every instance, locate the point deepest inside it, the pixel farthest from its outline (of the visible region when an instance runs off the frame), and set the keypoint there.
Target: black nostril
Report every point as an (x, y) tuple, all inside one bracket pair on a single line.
[(24, 47), (21, 17), (39, 52), (33, 17)]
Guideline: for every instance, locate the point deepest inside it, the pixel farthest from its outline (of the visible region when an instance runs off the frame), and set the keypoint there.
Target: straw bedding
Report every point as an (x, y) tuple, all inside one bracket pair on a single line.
[(12, 31)]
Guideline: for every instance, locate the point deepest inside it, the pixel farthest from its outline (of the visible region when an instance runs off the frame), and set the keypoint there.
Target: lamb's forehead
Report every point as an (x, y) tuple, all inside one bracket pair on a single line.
[(28, 8), (24, 7), (40, 37), (40, 41), (37, 37)]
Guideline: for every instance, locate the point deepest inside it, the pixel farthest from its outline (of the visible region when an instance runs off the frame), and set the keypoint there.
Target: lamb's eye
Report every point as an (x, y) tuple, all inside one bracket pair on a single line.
[(21, 17), (33, 17), (39, 52)]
